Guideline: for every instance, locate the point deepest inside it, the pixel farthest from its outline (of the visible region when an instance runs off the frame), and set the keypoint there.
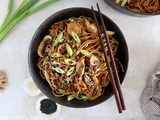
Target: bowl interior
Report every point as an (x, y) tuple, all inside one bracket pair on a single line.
[(127, 11), (122, 55)]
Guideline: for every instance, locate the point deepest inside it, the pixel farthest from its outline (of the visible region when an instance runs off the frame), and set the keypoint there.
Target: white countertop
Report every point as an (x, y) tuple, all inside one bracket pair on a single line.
[(143, 39)]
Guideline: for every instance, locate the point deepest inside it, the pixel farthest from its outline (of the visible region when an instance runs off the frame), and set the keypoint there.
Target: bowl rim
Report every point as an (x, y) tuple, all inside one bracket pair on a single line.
[(123, 10), (31, 45)]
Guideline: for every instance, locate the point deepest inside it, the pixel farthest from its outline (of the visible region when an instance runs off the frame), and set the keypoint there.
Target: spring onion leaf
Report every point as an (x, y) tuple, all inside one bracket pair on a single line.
[(27, 6), (76, 38), (40, 7), (23, 11), (13, 16), (71, 97), (10, 26), (9, 8), (69, 50)]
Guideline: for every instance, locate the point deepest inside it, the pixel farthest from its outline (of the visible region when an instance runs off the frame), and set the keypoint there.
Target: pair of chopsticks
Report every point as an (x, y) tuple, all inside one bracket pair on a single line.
[(111, 65)]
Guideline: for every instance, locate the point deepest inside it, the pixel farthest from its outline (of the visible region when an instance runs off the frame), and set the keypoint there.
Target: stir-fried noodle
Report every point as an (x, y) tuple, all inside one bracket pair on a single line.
[(72, 60), (143, 6)]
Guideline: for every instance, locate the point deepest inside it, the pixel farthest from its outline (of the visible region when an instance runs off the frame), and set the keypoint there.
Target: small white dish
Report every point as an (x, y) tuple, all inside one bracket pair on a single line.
[(30, 87), (44, 115)]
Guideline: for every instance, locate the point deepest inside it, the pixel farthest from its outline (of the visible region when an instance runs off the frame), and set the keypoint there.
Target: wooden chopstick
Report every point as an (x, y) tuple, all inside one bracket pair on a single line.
[(112, 60), (115, 83)]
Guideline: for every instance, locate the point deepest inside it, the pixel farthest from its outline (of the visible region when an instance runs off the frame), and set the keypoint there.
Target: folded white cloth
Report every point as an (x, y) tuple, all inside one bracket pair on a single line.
[(150, 100)]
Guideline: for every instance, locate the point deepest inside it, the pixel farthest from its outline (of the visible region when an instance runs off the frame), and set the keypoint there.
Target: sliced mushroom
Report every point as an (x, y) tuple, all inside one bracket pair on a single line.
[(88, 80), (94, 61), (43, 44), (91, 27), (73, 27), (80, 67)]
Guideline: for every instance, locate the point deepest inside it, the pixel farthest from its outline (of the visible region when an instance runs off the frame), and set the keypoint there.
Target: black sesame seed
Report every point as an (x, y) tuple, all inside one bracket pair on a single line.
[(48, 106)]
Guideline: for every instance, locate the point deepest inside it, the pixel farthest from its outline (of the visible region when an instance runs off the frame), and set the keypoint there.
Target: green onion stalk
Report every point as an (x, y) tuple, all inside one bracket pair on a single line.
[(24, 10)]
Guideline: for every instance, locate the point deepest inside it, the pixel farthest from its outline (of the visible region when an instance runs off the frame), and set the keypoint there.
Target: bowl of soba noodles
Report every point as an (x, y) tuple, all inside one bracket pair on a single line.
[(139, 8), (66, 60)]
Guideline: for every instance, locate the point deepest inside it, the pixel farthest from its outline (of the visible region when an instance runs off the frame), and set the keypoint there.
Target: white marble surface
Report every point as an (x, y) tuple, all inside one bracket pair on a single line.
[(143, 39)]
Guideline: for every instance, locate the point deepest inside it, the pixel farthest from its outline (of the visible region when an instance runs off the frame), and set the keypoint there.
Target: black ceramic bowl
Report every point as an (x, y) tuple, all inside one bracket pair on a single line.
[(122, 55), (127, 11)]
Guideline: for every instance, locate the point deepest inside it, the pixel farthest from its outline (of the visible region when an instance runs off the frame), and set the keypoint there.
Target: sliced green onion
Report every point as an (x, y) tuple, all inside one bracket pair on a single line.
[(71, 19), (82, 97), (110, 33), (58, 39), (56, 55), (70, 71), (69, 50), (123, 3), (113, 41), (71, 97), (55, 63), (86, 53), (70, 61), (76, 38), (57, 69), (62, 91)]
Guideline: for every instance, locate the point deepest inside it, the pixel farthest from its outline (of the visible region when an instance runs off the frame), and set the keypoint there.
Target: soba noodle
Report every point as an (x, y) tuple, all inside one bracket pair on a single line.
[(72, 61), (143, 6)]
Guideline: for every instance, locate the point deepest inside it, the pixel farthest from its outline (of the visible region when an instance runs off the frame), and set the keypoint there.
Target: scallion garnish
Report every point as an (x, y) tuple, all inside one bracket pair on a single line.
[(69, 50), (56, 55), (58, 39), (62, 91), (86, 53), (70, 71), (82, 97), (70, 61), (123, 3), (71, 97), (57, 69), (76, 37)]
